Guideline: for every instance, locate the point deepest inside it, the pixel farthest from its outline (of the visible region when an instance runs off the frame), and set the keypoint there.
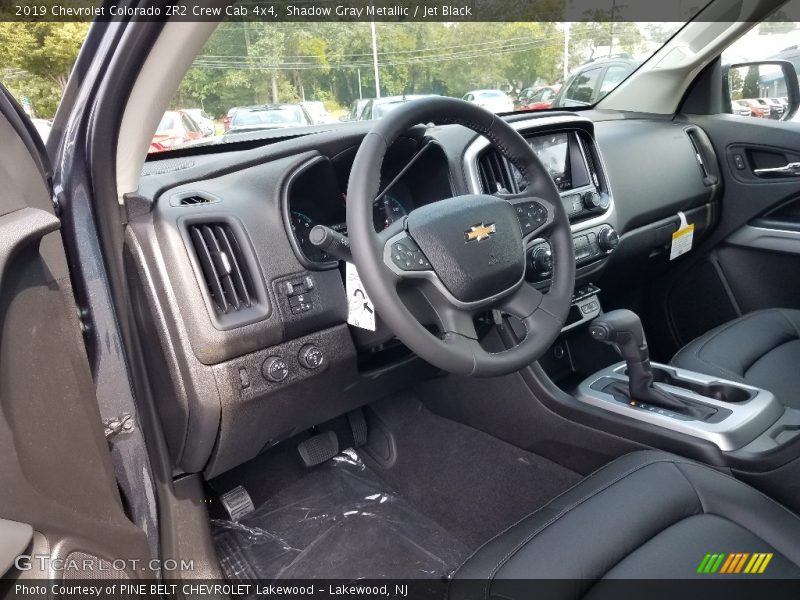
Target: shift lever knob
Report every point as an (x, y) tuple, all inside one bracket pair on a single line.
[(623, 330)]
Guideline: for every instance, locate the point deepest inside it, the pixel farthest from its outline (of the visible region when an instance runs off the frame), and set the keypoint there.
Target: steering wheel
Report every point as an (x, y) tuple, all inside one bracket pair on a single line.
[(464, 254)]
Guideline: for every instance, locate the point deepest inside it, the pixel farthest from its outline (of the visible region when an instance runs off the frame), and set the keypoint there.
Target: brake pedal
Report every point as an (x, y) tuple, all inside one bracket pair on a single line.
[(358, 426), (316, 450)]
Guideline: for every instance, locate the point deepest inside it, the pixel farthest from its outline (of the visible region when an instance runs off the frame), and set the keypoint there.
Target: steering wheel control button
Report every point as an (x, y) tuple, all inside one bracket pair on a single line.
[(310, 357), (275, 369), (408, 257), (531, 216)]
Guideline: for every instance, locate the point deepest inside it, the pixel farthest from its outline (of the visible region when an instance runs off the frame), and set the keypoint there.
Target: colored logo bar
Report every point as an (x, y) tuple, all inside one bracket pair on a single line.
[(735, 562)]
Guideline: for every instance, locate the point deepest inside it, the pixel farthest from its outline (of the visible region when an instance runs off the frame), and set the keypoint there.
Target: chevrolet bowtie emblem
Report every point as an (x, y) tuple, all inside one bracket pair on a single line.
[(479, 232)]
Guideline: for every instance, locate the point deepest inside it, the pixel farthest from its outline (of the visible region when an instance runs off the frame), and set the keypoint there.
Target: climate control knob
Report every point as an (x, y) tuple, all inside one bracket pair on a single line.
[(607, 238), (542, 260), (592, 200)]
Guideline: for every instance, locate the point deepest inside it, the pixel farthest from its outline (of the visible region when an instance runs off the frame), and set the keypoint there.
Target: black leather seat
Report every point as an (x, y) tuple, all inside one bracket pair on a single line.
[(761, 348), (647, 515)]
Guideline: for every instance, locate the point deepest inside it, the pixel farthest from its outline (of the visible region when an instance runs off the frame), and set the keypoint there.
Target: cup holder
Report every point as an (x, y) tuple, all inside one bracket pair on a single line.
[(722, 392)]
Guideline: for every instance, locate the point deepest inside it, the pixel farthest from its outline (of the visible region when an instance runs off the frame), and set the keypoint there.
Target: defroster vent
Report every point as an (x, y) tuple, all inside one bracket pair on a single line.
[(224, 266)]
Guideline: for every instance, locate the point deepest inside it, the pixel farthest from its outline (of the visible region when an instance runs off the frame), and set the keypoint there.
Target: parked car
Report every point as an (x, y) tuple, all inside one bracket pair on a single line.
[(538, 98), (777, 107), (354, 112), (319, 114), (741, 108), (375, 108), (591, 82), (176, 128), (757, 109), (203, 120), (495, 101), (270, 116), (226, 120)]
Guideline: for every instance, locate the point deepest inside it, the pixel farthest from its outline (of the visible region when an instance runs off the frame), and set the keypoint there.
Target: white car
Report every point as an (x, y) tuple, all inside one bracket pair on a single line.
[(495, 101), (318, 112), (43, 127), (203, 120)]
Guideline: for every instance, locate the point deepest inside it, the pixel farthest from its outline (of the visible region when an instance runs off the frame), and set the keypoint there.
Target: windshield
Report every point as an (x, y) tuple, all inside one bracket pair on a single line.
[(262, 76)]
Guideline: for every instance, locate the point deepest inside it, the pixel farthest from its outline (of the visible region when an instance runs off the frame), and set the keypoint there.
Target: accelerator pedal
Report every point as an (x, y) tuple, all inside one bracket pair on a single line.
[(316, 450), (358, 426)]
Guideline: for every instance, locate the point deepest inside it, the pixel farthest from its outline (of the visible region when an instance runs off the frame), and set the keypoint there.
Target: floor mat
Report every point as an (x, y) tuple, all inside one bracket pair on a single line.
[(472, 484), (339, 520)]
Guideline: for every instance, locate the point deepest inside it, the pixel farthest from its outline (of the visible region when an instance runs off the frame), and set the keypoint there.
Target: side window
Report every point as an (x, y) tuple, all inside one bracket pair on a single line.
[(188, 124), (583, 86), (613, 77), (547, 94)]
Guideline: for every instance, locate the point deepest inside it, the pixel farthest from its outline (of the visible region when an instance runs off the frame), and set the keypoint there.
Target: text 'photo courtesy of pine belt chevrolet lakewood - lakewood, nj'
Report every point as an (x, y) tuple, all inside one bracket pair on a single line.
[(470, 300)]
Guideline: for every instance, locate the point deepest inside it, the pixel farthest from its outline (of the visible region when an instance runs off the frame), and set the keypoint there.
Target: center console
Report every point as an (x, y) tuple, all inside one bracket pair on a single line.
[(731, 415)]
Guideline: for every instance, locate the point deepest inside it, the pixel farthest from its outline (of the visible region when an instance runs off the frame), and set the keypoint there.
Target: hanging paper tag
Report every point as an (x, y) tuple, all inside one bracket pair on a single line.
[(681, 239), (360, 310)]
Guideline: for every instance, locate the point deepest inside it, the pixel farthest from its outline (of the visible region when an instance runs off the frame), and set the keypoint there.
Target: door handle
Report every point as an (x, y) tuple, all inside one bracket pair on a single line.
[(790, 170)]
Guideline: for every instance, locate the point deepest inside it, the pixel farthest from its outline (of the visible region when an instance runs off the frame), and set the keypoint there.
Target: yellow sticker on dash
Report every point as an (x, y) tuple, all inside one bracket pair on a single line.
[(681, 241)]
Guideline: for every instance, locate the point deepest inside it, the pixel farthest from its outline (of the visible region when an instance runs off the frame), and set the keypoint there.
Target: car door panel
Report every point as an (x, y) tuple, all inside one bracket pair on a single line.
[(752, 259), (56, 474)]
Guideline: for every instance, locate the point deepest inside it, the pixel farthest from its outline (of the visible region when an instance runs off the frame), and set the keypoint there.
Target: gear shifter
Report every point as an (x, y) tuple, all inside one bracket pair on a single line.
[(623, 330)]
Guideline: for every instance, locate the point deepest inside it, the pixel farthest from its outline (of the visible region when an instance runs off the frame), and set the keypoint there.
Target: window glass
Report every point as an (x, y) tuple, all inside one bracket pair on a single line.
[(583, 86), (613, 77)]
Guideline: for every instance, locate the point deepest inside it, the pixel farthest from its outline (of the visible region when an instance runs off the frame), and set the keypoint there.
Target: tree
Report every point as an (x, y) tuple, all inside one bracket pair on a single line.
[(46, 53), (750, 86)]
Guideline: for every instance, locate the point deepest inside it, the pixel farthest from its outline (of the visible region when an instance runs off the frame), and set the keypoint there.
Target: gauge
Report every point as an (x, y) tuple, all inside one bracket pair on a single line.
[(301, 227), (387, 210)]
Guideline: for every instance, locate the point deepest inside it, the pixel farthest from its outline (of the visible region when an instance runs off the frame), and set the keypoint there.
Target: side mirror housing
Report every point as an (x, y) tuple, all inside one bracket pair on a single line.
[(769, 87)]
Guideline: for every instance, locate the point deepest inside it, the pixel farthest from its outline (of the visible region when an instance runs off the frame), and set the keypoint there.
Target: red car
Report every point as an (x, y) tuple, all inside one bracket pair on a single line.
[(176, 128), (757, 109), (538, 98)]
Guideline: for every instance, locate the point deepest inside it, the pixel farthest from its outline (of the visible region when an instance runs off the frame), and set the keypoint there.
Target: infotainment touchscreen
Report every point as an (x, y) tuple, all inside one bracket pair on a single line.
[(553, 151)]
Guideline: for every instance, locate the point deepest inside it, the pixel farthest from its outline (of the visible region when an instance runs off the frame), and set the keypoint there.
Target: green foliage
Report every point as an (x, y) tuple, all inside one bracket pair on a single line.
[(750, 85), (42, 55)]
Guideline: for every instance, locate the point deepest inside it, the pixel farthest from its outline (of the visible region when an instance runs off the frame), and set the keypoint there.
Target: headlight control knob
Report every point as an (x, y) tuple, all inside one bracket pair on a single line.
[(275, 369)]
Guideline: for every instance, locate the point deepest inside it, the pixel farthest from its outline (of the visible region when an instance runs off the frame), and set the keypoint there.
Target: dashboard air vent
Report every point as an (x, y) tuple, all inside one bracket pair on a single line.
[(194, 200), (495, 173), (223, 264)]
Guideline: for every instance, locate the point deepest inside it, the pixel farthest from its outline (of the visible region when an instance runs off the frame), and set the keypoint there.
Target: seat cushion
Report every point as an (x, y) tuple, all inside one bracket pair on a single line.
[(761, 348), (648, 515)]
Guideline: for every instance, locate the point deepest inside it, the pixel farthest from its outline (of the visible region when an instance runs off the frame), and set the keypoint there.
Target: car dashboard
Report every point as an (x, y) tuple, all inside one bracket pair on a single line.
[(246, 321)]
